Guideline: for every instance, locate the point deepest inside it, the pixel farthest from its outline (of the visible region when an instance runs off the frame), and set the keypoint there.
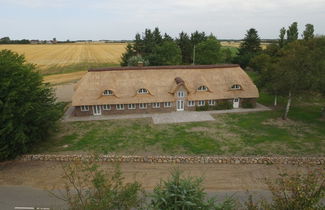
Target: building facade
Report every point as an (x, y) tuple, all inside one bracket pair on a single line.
[(159, 89)]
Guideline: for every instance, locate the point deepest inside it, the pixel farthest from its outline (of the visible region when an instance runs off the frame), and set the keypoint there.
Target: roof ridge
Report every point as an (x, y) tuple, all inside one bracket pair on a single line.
[(164, 67)]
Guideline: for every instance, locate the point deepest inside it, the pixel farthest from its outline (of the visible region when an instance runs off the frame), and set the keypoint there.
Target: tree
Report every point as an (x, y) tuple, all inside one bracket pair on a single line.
[(166, 54), (208, 51), (281, 36), (250, 47), (308, 32), (135, 60), (292, 32), (28, 111), (185, 44), (130, 52)]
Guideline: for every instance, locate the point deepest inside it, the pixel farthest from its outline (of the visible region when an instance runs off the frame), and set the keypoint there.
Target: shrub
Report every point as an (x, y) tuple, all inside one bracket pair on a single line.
[(222, 105), (297, 191), (206, 107), (184, 193), (247, 104), (88, 187)]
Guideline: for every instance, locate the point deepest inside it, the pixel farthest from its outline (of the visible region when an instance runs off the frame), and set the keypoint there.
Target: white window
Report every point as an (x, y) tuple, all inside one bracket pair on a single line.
[(202, 88), (201, 103), (191, 103), (142, 106), (155, 105), (131, 106), (167, 104), (108, 92), (181, 94), (106, 107), (119, 106), (236, 87), (212, 102), (84, 108), (143, 91)]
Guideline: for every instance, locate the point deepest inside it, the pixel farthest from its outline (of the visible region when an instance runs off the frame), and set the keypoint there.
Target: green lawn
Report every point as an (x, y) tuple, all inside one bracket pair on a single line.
[(263, 133)]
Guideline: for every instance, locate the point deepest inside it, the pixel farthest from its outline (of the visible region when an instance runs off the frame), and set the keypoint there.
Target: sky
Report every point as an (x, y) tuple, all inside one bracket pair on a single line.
[(122, 19)]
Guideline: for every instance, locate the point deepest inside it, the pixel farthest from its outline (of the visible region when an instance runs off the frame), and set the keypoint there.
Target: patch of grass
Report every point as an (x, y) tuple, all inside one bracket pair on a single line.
[(58, 69), (262, 133)]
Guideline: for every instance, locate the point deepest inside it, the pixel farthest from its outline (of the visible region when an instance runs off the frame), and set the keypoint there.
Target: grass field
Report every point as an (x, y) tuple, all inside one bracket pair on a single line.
[(263, 133), (65, 58)]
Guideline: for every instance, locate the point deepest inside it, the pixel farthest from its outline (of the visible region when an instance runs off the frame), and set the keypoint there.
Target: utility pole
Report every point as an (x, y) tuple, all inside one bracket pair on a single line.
[(193, 56)]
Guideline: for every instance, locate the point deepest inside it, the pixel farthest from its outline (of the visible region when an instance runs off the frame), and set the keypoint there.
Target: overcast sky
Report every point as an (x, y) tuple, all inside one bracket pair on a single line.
[(121, 19)]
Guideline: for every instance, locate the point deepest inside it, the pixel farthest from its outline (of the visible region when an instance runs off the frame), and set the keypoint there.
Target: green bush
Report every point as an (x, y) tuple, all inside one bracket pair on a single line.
[(206, 107), (87, 187), (222, 105), (184, 193), (247, 104)]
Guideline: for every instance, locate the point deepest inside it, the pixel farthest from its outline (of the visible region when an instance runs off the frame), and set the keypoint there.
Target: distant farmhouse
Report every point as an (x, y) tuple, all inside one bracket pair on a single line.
[(158, 89)]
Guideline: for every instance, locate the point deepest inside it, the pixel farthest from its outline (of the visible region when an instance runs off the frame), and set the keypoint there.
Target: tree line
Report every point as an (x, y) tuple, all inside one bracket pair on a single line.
[(153, 48), (7, 40)]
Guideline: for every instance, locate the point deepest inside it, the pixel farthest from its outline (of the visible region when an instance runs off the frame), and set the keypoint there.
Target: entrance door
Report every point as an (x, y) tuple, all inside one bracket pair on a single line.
[(235, 103), (180, 105), (97, 110)]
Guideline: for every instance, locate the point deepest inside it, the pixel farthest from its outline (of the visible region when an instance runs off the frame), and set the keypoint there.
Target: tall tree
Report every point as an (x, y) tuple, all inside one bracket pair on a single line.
[(308, 32), (28, 111), (198, 37), (130, 52), (250, 47), (184, 43), (282, 37), (208, 51), (166, 54), (292, 32)]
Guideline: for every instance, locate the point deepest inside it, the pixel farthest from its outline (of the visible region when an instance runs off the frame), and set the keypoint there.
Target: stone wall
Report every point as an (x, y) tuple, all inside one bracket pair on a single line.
[(181, 159)]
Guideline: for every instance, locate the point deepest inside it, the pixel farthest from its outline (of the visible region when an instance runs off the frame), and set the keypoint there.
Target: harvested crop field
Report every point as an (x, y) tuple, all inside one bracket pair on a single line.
[(64, 58)]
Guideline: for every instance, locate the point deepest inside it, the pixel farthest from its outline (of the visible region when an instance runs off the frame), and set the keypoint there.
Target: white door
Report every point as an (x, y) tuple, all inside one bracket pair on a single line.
[(235, 103), (97, 110), (180, 105)]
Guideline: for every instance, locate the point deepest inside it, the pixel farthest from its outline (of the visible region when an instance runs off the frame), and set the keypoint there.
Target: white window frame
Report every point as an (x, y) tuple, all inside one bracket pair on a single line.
[(84, 108), (236, 87), (180, 94), (155, 105), (119, 106), (202, 88), (131, 106), (191, 103), (167, 104), (106, 107), (212, 102), (201, 103), (143, 106), (108, 92), (142, 91)]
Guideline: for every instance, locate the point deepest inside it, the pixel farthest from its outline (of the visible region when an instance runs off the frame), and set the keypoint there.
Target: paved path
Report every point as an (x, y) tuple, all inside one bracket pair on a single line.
[(164, 118)]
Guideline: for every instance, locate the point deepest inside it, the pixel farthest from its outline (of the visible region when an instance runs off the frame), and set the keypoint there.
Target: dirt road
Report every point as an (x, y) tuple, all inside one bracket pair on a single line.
[(46, 175)]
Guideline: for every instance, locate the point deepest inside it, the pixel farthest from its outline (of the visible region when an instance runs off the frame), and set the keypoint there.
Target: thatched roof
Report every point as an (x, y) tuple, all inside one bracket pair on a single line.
[(161, 82)]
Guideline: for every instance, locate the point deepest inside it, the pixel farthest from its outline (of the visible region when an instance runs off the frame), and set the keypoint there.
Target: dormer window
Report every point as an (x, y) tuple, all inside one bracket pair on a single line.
[(108, 92), (236, 87), (143, 91), (202, 88)]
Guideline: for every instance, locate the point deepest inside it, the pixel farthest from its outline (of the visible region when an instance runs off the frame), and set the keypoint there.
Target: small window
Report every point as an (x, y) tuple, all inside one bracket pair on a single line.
[(106, 107), (142, 106), (201, 103), (119, 106), (131, 106), (143, 91), (84, 108), (202, 88), (212, 102), (181, 94), (108, 92), (167, 104), (155, 105), (191, 103), (236, 87)]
